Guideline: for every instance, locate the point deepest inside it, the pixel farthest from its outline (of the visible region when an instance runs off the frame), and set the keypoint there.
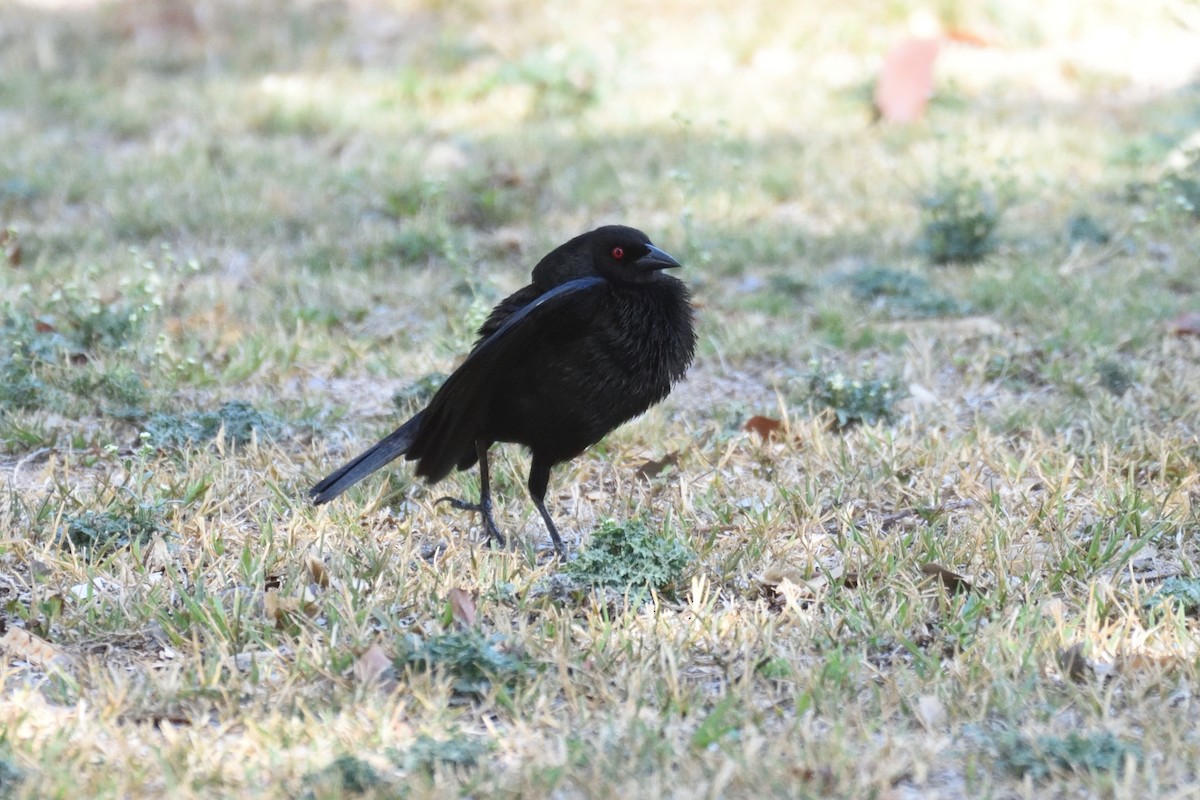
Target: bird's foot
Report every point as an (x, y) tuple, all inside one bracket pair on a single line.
[(484, 510)]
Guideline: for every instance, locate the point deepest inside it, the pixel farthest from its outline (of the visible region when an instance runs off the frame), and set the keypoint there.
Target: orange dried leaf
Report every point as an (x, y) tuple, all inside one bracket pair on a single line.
[(765, 427), (968, 37), (906, 80)]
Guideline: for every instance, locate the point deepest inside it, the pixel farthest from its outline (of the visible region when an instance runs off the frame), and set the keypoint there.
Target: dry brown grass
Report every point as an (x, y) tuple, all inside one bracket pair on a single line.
[(309, 206)]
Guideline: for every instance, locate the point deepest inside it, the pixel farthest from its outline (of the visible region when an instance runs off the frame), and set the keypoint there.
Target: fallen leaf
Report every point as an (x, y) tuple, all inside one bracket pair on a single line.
[(278, 608), (1145, 662), (11, 247), (652, 468), (930, 712), (1074, 664), (284, 610), (156, 556), (462, 607), (797, 595), (21, 644), (765, 427), (954, 583), (788, 584), (372, 665), (969, 37), (263, 660), (906, 80), (308, 599), (920, 396), (773, 576), (1055, 609), (1186, 324), (316, 568)]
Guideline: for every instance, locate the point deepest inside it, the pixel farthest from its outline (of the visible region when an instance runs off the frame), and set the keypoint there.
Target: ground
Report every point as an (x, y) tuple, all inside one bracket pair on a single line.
[(921, 522)]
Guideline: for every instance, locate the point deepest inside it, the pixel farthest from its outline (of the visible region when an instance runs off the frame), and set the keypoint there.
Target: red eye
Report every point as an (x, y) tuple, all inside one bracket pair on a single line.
[(618, 253)]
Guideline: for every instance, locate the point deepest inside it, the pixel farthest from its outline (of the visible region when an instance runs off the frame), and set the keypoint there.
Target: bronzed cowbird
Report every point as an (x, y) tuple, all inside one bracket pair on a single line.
[(600, 335)]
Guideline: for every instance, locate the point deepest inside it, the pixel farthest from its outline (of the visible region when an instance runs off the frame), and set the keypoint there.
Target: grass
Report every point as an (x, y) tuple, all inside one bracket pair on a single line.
[(284, 222)]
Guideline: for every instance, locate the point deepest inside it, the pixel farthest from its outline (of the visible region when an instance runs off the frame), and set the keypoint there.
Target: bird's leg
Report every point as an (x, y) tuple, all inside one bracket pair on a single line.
[(539, 479), (484, 506)]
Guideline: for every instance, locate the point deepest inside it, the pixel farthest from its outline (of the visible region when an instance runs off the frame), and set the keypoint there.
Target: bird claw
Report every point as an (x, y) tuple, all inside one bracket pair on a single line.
[(484, 510), (461, 505)]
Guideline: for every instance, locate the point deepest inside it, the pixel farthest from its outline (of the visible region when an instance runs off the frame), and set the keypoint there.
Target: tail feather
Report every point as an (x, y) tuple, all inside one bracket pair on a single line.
[(388, 449)]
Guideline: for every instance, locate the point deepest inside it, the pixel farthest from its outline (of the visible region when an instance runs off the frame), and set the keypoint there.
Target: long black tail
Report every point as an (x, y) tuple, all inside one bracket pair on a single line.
[(391, 447)]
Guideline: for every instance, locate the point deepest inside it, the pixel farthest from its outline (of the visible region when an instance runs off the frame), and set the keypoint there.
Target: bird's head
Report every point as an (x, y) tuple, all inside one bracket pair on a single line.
[(626, 255), (615, 252)]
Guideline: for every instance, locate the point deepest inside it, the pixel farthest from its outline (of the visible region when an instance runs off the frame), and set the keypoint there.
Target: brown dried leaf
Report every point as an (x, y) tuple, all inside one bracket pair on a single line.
[(765, 427), (156, 556), (462, 606), (1140, 662), (277, 608), (1186, 324), (21, 644), (372, 665), (931, 712), (316, 568), (11, 247), (284, 610), (788, 584), (309, 598), (954, 583), (1074, 664), (653, 467), (265, 661), (775, 575)]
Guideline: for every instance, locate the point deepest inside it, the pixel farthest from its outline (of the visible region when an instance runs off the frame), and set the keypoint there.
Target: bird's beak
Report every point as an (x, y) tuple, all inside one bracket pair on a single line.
[(656, 259)]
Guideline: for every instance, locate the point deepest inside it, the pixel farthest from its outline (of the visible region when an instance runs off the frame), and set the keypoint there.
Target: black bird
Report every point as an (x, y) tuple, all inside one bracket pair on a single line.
[(599, 336)]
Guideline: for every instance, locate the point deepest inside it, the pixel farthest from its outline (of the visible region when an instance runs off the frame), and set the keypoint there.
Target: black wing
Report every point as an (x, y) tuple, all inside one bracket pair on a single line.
[(505, 309), (452, 419)]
